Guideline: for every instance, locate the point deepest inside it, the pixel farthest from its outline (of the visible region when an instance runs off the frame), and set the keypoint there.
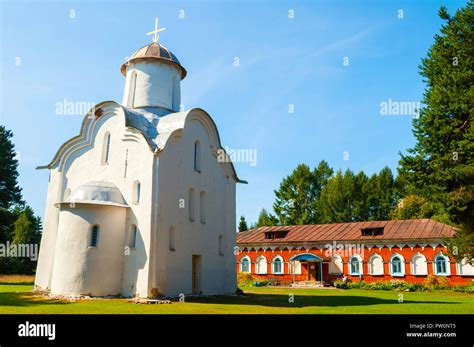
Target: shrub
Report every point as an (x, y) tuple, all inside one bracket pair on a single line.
[(244, 279), (340, 284), (437, 283)]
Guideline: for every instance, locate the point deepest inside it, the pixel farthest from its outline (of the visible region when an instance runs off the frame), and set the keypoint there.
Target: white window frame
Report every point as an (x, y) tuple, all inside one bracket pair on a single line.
[(369, 263), (402, 265), (331, 267), (448, 265), (413, 266), (282, 265), (249, 262), (459, 266), (359, 259), (258, 270)]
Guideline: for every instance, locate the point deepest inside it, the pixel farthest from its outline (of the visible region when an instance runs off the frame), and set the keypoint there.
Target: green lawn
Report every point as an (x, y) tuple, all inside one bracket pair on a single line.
[(18, 299)]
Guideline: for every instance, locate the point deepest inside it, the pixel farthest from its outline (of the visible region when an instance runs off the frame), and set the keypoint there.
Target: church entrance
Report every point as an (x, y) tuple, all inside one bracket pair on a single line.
[(196, 274)]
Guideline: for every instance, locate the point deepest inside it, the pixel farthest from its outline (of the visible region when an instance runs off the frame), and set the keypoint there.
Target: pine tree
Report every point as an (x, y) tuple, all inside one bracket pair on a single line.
[(243, 224), (10, 192), (381, 195), (266, 219), (297, 197), (440, 167)]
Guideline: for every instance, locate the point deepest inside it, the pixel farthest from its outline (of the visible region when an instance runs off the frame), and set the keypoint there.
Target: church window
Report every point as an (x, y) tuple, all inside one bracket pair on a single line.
[(202, 207), (221, 245), (133, 236), (197, 156), (94, 236), (137, 187), (132, 90), (191, 204), (106, 148), (171, 240)]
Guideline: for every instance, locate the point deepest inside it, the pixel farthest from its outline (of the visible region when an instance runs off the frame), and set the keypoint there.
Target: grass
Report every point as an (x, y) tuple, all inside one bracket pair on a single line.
[(18, 299)]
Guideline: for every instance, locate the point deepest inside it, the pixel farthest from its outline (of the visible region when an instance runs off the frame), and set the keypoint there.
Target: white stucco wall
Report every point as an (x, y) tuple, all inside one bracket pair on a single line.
[(44, 269), (176, 177), (130, 159), (81, 269), (151, 83)]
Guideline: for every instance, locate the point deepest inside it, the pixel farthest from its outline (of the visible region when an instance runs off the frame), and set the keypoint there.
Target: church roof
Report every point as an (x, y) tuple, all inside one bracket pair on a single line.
[(390, 230), (97, 193), (154, 123), (155, 51)]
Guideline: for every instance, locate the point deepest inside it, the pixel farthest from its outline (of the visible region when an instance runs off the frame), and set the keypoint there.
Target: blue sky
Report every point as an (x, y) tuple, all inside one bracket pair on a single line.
[(47, 56)]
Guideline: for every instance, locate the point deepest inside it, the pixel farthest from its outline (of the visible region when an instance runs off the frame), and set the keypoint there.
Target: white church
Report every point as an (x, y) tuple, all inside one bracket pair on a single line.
[(138, 204)]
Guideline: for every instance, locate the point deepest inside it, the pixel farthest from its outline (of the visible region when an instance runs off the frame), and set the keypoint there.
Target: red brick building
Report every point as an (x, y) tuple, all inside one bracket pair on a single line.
[(409, 250)]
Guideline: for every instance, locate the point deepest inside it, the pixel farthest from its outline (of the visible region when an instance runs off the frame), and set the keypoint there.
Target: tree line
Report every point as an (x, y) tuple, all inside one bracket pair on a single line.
[(435, 178), (18, 222)]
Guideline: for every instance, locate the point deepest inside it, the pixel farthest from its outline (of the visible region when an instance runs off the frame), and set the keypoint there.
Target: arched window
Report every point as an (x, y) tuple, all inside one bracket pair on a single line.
[(355, 265), (375, 265), (171, 240), (137, 189), (191, 204), (106, 148), (94, 236), (335, 267), (294, 267), (245, 264), (132, 90), (419, 265), (277, 265), (441, 265), (465, 268), (133, 236), (197, 156), (397, 265), (261, 265), (202, 207), (221, 245)]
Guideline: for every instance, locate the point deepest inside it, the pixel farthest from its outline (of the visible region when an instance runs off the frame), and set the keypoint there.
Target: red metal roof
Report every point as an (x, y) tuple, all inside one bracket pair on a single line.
[(413, 229)]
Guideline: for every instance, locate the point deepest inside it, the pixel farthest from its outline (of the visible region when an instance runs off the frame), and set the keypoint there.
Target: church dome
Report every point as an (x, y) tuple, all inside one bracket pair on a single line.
[(155, 51), (98, 193)]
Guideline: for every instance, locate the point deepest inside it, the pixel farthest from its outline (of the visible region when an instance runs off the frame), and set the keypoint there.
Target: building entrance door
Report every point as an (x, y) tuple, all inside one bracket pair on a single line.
[(196, 274)]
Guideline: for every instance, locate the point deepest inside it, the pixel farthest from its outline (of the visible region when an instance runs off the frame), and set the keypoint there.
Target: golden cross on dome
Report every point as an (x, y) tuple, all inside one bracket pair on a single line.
[(155, 32)]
